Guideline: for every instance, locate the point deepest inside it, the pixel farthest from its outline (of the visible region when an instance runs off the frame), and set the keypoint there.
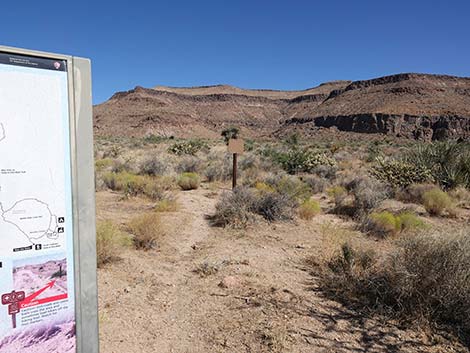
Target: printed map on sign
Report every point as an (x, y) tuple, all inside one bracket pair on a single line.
[(32, 166)]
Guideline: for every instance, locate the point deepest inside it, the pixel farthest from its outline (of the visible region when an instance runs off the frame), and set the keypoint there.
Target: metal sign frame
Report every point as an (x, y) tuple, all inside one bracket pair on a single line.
[(83, 195)]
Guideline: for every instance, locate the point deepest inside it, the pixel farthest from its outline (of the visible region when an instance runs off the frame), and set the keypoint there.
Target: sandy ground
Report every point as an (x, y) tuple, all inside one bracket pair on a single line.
[(261, 299)]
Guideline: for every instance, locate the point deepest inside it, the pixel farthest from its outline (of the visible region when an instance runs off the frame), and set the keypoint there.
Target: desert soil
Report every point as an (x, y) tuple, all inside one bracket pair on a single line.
[(261, 299)]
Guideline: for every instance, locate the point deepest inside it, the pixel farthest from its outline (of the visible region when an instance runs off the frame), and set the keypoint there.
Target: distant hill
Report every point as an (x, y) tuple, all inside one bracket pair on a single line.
[(419, 106)]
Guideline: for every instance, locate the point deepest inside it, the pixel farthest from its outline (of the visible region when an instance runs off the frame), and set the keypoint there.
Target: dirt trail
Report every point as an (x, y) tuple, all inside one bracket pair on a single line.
[(259, 298)]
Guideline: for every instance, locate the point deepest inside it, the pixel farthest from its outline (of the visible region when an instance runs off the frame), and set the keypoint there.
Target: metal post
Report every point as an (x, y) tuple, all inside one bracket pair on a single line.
[(234, 177)]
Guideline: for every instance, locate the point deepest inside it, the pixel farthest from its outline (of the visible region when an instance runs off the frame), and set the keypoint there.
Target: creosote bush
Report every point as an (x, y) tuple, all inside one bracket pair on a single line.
[(436, 201), (146, 230), (426, 278), (309, 209), (109, 241), (189, 181)]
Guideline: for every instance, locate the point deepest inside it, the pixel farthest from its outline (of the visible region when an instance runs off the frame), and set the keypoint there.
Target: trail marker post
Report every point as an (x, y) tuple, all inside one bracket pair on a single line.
[(236, 147)]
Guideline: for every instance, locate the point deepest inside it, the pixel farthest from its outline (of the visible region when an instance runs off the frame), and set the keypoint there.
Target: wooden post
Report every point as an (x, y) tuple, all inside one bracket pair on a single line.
[(234, 174)]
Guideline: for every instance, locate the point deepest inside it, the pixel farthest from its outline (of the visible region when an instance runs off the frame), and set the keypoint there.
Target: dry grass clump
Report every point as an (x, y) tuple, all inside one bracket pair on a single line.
[(166, 205), (436, 201), (189, 181), (462, 196), (146, 230), (109, 241), (309, 209), (425, 278)]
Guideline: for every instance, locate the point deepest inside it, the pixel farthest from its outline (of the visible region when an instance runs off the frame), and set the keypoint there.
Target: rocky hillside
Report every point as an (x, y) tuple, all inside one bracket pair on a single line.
[(416, 106)]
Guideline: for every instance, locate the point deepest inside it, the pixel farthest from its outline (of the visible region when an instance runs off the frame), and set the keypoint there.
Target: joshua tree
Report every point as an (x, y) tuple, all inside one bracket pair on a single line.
[(230, 133)]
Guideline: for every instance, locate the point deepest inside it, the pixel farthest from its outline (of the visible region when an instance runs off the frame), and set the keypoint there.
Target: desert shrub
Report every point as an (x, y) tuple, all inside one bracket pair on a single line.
[(399, 173), (339, 194), (146, 230), (383, 223), (326, 171), (449, 162), (263, 187), (368, 194), (121, 165), (386, 223), (294, 188), (461, 195), (235, 209), (189, 181), (298, 160), (248, 161), (102, 164), (206, 269), (190, 147), (308, 209), (166, 205), (414, 193), (436, 201), (220, 167), (409, 221), (109, 241), (153, 166), (134, 185), (425, 278), (189, 164), (316, 183), (274, 206)]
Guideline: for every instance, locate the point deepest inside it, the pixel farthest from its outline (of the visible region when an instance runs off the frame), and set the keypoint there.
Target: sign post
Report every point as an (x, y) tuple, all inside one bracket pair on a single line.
[(47, 211), (236, 147)]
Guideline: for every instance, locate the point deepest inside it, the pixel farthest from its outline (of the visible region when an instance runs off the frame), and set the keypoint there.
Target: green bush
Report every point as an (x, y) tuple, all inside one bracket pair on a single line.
[(400, 174), (386, 223), (189, 181), (309, 209), (436, 201), (293, 188)]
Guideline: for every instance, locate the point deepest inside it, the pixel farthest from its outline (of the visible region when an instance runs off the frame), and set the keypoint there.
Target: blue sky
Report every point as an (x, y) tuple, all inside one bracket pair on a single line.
[(250, 44)]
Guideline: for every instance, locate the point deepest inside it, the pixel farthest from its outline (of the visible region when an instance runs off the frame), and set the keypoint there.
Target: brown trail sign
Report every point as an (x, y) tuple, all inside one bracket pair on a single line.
[(13, 300)]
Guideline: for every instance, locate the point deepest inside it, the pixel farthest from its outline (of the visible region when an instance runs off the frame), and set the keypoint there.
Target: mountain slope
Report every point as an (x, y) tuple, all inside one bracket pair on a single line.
[(417, 106)]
